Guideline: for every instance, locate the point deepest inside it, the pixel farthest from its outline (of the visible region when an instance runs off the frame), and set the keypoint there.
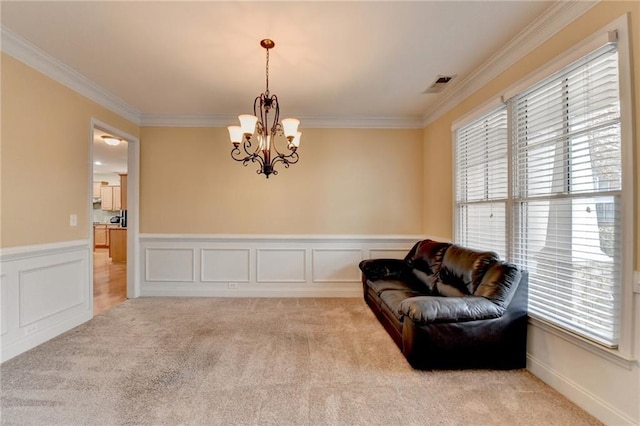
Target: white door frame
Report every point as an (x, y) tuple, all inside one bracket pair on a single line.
[(133, 209)]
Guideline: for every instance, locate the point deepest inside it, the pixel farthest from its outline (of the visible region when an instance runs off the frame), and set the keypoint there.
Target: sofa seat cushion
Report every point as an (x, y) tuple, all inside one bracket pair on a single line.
[(392, 299), (379, 286), (434, 309)]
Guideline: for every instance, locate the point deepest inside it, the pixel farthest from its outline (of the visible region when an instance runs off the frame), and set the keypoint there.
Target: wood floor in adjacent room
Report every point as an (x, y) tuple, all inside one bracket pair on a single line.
[(109, 282)]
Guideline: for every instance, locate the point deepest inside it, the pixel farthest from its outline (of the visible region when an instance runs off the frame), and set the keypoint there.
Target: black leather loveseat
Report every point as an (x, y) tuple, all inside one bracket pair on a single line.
[(449, 307)]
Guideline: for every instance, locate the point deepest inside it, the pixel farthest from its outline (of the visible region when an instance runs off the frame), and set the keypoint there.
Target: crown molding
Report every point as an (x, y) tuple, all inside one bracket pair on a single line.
[(187, 120), (24, 51), (334, 122), (555, 18)]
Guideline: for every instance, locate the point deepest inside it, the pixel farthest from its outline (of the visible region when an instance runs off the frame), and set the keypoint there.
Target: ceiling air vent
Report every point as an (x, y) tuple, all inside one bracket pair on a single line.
[(440, 83)]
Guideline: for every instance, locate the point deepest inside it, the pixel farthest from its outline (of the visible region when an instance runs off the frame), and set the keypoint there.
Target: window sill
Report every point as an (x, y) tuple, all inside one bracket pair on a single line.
[(611, 355)]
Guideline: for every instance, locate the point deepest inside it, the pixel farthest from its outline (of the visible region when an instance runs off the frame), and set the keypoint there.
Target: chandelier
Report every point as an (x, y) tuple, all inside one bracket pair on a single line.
[(262, 148)]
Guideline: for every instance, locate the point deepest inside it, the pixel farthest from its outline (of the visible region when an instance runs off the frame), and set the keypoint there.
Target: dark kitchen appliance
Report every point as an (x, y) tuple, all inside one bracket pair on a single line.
[(123, 218)]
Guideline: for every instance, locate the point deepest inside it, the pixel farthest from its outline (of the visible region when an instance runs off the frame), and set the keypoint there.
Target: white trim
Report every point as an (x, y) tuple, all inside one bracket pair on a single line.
[(33, 340), (476, 113), (555, 18), (354, 291), (283, 237), (561, 61), (19, 333), (202, 262), (611, 355), (293, 275), (335, 122), (582, 397), (360, 251), (26, 252), (24, 51), (133, 203), (628, 135), (282, 249)]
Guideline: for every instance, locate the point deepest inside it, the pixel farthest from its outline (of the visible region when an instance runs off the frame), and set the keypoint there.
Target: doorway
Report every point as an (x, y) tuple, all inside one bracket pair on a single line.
[(113, 216)]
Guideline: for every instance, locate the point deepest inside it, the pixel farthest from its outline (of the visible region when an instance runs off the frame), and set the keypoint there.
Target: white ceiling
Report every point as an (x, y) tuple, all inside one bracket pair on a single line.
[(113, 159), (331, 59)]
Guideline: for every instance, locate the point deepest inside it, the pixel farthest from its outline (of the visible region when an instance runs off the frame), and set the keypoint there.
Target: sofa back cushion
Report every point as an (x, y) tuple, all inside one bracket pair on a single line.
[(425, 258), (463, 268), (499, 283)]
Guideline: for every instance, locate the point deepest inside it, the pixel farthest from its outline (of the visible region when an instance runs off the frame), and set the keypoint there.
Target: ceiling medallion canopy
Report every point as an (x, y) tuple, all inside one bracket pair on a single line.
[(262, 148)]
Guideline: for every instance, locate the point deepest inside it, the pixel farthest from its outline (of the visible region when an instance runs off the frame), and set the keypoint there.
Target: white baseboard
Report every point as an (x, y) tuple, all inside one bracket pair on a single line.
[(577, 394), (33, 340), (45, 290), (261, 265)]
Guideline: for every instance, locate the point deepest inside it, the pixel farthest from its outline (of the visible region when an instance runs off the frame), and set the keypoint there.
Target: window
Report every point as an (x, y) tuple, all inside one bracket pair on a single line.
[(567, 195), (481, 182), (539, 180)]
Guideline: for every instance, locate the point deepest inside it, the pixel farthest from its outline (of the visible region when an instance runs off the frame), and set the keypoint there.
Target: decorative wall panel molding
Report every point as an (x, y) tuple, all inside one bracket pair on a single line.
[(170, 264), (281, 265), (388, 253), (50, 290), (45, 290), (3, 311), (336, 265), (225, 265), (261, 265)]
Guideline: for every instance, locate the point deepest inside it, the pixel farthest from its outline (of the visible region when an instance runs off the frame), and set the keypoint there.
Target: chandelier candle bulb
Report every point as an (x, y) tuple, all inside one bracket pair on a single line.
[(265, 123)]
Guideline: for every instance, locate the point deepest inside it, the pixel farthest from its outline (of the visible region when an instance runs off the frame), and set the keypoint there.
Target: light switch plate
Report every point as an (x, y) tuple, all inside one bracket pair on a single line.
[(73, 219), (636, 281)]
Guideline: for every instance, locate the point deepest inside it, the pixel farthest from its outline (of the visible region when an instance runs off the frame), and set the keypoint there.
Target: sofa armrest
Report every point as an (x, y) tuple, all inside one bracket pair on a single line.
[(432, 309), (377, 269)]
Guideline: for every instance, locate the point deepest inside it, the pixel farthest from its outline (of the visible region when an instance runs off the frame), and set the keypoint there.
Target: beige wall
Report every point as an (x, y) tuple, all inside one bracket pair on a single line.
[(45, 153), (347, 182), (438, 136)]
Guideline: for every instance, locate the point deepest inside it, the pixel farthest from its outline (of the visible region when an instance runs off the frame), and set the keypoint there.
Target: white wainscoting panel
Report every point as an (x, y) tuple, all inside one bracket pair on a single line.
[(225, 265), (3, 306), (281, 265), (387, 253), (50, 289), (336, 265), (45, 291), (261, 265), (170, 264)]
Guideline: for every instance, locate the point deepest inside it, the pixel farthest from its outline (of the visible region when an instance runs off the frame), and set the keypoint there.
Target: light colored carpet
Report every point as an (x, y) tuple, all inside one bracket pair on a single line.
[(212, 361)]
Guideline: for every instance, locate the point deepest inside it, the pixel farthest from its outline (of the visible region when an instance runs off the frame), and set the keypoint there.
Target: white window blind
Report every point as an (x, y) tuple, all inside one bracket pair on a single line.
[(482, 182), (567, 195)]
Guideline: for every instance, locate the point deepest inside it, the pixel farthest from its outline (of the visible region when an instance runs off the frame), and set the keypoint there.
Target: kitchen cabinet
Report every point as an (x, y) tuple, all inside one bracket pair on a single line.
[(118, 245), (100, 236), (123, 191), (110, 198), (96, 188)]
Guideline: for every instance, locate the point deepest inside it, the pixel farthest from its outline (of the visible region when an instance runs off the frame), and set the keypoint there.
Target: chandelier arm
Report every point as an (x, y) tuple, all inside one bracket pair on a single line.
[(237, 156), (247, 144)]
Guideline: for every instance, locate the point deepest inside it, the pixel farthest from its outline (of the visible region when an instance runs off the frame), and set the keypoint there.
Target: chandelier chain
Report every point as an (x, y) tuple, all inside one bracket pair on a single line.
[(267, 74)]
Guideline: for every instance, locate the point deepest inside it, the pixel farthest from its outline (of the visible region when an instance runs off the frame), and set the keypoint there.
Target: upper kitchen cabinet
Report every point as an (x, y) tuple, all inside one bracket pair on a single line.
[(110, 198), (96, 188)]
